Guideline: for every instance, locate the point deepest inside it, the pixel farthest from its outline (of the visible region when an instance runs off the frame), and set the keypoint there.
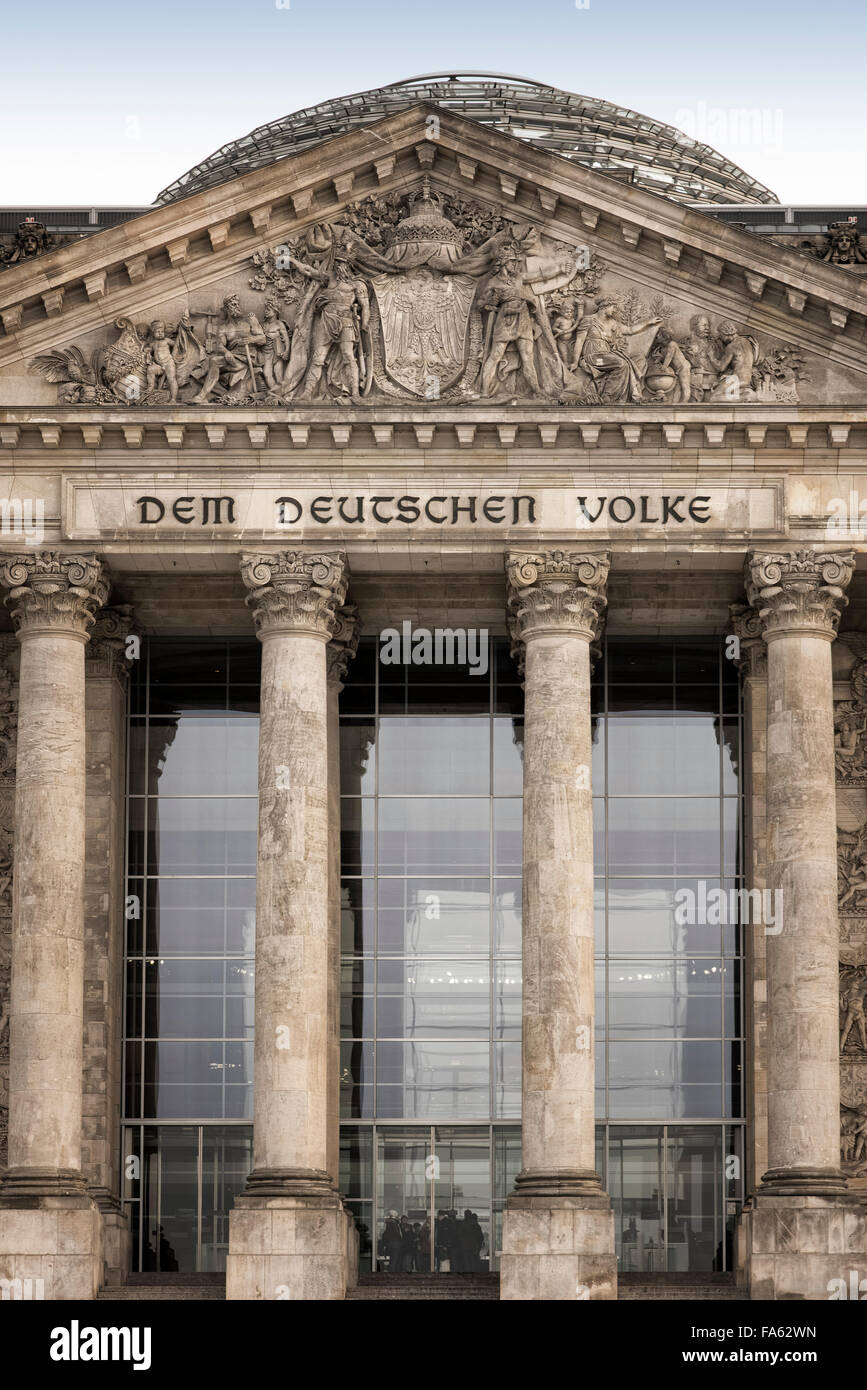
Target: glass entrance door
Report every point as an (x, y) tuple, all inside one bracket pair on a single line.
[(433, 1200)]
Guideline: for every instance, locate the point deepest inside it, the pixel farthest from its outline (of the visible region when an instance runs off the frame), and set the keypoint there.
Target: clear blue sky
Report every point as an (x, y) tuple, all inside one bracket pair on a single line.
[(108, 102)]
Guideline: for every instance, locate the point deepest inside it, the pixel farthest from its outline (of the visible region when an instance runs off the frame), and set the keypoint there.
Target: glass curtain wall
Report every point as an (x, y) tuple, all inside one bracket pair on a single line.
[(430, 1083), (190, 937)]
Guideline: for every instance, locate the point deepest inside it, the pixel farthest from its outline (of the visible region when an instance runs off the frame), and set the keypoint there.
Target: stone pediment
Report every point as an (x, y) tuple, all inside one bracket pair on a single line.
[(427, 259)]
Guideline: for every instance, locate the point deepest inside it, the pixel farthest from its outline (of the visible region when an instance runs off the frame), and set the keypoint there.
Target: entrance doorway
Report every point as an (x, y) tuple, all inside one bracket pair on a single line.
[(433, 1200)]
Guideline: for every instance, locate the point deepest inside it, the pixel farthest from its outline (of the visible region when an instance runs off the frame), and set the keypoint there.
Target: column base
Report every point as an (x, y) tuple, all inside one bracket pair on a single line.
[(800, 1245), (116, 1237), (558, 1245), (290, 1246), (51, 1240)]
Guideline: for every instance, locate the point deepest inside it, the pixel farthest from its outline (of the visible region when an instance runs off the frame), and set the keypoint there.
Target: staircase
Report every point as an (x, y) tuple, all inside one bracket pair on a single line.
[(386, 1287), (147, 1287), (706, 1288)]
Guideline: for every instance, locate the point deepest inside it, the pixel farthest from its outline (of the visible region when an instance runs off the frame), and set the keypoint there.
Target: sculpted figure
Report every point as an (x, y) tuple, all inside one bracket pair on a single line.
[(736, 364), (700, 350), (854, 1020), (341, 319), (669, 374), (276, 350), (604, 355), (852, 866), (162, 363), (843, 245), (511, 307), (231, 358)]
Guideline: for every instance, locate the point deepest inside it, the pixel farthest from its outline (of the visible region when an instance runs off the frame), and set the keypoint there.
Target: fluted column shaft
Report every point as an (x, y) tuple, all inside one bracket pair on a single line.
[(294, 597), (799, 596), (53, 599), (556, 600)]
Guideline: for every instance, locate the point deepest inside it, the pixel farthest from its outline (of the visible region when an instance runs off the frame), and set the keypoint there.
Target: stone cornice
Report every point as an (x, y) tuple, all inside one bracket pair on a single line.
[(50, 592), (556, 591), (709, 427), (298, 591), (199, 239), (798, 591)]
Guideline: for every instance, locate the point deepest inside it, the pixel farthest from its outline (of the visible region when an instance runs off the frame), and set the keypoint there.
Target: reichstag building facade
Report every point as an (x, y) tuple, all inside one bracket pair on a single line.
[(433, 718)]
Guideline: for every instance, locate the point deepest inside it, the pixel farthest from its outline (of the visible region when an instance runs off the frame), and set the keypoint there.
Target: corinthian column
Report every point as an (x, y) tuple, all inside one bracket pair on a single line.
[(53, 599), (287, 1232), (558, 1236), (799, 595)]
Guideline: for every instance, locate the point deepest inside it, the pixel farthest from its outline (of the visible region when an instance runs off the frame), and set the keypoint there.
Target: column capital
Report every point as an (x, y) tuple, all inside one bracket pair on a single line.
[(752, 659), (343, 644), (799, 591), (295, 591), (557, 591), (53, 592), (106, 653)]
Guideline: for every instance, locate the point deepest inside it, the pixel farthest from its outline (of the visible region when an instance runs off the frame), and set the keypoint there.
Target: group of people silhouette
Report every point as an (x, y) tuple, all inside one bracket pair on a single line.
[(405, 1246)]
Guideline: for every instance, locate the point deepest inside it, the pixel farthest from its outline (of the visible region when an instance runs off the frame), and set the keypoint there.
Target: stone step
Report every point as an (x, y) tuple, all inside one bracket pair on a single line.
[(705, 1293), (185, 1287), (434, 1287)]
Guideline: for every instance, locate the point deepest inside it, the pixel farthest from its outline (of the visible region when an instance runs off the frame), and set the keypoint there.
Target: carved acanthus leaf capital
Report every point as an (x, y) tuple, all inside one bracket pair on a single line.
[(109, 652), (752, 654), (295, 590), (343, 644), (557, 591), (799, 590), (50, 590)]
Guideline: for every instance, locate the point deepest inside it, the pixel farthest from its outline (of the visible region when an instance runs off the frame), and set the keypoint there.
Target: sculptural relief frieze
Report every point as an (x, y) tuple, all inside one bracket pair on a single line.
[(8, 741), (428, 296)]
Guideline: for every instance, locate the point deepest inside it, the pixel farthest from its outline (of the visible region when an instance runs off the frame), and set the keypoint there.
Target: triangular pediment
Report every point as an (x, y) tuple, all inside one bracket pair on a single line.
[(422, 258)]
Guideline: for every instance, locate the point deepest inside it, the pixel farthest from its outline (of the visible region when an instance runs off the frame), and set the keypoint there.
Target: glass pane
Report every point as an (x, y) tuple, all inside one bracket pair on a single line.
[(205, 1080), (636, 1177), (227, 1158), (676, 998), (667, 916), (357, 837), (423, 999), (357, 915), (507, 916), (508, 757), (199, 998), (663, 756), (213, 754), (659, 835), (436, 1080), (356, 1162), (507, 835), (190, 835), (357, 996), (462, 1201), (448, 756), (170, 1191), (357, 757), (404, 1172), (424, 835), (356, 1080), (202, 916), (434, 915), (695, 1200), (665, 1080)]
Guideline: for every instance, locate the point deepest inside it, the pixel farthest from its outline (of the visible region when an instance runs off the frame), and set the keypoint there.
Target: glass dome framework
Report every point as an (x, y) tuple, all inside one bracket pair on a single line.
[(610, 139)]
